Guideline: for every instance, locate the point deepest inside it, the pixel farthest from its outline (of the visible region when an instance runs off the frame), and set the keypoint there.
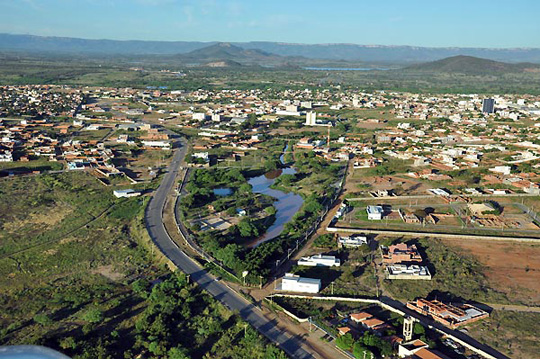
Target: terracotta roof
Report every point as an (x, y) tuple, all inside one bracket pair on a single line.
[(372, 323), (358, 317), (429, 354), (344, 330)]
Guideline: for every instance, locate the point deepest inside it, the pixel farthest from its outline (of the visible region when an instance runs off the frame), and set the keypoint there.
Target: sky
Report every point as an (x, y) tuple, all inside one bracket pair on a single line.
[(434, 23)]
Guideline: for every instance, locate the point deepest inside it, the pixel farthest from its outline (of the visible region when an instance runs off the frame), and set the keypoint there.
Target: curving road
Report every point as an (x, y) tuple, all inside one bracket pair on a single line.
[(293, 346)]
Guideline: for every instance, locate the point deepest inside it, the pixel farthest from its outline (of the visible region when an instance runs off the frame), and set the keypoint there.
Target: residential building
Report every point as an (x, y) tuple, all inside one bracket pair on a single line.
[(319, 260), (488, 106), (404, 271), (353, 241), (374, 213), (400, 253), (311, 118), (449, 315), (295, 283), (125, 193)]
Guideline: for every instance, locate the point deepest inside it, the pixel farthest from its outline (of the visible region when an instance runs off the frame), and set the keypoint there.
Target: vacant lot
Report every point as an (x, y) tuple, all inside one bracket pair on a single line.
[(513, 268), (513, 333)]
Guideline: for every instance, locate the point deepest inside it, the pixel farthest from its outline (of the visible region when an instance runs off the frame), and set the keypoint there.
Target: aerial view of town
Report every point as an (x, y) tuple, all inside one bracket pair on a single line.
[(191, 187)]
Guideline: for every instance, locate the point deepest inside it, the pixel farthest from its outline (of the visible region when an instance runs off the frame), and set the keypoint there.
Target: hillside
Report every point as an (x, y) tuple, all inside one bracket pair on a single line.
[(334, 52), (225, 55), (473, 65)]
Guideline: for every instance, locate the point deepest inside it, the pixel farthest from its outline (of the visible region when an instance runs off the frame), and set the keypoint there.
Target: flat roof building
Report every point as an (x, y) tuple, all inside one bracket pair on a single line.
[(488, 105), (319, 260), (403, 271), (354, 240), (375, 213), (294, 283), (125, 193)]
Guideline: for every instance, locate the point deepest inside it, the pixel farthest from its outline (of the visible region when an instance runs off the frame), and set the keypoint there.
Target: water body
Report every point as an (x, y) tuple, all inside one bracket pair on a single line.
[(223, 192), (286, 204), (346, 68)]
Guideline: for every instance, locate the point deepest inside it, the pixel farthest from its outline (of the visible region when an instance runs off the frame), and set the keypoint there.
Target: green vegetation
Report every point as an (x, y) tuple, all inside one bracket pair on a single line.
[(26, 69), (365, 345), (76, 275), (325, 241), (314, 180), (513, 333)]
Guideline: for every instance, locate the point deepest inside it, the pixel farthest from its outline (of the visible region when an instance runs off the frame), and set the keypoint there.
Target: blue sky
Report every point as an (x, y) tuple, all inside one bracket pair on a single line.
[(472, 23)]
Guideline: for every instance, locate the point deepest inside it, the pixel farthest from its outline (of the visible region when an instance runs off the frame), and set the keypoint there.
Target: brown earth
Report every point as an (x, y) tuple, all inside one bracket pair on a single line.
[(513, 268)]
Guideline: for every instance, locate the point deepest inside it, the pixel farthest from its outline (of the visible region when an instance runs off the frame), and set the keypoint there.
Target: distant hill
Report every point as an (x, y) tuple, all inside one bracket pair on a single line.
[(473, 65), (225, 54), (334, 52)]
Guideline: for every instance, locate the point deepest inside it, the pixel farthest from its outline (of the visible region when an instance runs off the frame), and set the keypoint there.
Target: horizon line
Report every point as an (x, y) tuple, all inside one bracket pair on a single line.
[(276, 42)]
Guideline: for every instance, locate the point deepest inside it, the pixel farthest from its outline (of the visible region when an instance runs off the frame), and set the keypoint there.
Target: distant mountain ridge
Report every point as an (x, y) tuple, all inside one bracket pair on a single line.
[(347, 52), (473, 65)]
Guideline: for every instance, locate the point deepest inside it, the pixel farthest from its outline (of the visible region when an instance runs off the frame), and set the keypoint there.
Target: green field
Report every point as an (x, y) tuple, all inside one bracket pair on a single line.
[(77, 274)]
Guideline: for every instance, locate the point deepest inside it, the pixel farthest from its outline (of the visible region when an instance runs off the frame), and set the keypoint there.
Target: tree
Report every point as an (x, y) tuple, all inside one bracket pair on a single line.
[(361, 352), (271, 165), (42, 319), (345, 341), (418, 329), (178, 353), (68, 343), (247, 228), (93, 315), (245, 188), (141, 287)]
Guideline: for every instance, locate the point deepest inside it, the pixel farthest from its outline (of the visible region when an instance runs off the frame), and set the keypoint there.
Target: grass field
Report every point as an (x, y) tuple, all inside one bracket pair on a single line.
[(77, 275), (513, 333)]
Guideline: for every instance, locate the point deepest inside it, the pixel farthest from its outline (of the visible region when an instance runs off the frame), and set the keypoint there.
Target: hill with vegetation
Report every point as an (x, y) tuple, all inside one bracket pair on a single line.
[(224, 54), (473, 65)]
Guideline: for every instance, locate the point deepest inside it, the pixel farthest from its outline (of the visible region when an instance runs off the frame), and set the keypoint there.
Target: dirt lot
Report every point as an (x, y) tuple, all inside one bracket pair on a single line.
[(373, 183), (513, 268)]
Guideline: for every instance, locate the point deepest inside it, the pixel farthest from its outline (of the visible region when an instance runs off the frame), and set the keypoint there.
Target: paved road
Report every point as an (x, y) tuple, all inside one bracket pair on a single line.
[(295, 347)]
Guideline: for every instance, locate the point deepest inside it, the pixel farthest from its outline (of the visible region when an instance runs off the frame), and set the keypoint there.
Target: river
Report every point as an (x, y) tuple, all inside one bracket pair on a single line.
[(286, 204)]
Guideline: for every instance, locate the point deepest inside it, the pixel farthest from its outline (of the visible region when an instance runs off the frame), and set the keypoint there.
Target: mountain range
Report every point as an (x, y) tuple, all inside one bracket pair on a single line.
[(334, 52)]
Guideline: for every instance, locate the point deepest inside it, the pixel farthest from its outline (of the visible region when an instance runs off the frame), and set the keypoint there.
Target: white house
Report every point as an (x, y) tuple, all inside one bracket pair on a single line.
[(6, 157), (319, 260), (375, 213), (505, 170), (403, 271), (157, 144), (353, 241), (125, 193), (198, 116), (294, 283)]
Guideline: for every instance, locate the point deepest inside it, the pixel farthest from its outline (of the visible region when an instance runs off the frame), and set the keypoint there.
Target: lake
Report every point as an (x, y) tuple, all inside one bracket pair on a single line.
[(346, 68), (286, 204)]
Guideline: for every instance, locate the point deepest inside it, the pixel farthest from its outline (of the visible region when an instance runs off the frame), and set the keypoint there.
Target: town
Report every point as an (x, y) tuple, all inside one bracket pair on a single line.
[(369, 218)]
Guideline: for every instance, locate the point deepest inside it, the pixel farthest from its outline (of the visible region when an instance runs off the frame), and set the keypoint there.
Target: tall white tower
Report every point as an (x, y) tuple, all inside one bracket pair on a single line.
[(311, 118), (408, 327)]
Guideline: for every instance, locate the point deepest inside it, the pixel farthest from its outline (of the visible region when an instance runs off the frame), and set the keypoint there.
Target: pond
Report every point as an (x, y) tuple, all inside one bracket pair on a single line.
[(286, 204), (223, 192), (346, 68)]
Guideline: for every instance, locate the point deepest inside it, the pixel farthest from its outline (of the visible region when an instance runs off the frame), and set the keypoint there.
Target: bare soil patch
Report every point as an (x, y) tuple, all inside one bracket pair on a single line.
[(513, 268)]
